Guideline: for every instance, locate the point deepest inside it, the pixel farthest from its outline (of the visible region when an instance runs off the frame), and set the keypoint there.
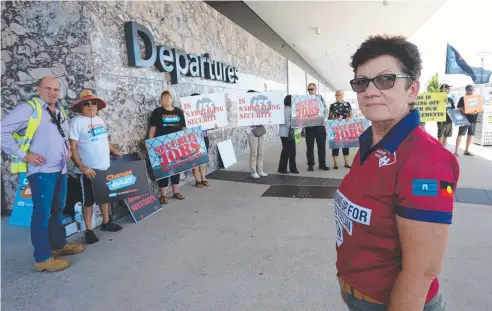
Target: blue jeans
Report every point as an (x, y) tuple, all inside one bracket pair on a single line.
[(49, 193), (435, 304)]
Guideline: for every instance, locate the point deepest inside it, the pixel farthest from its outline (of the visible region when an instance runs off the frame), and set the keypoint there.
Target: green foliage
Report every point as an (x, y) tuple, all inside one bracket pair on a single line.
[(434, 84)]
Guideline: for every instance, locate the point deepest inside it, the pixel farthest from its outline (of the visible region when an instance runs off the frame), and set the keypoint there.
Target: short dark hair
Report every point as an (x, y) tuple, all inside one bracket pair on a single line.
[(252, 91), (166, 92), (195, 94), (288, 100), (407, 53)]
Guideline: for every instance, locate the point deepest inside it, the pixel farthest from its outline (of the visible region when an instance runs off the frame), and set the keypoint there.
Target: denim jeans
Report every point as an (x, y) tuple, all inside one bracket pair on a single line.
[(435, 304), (49, 193)]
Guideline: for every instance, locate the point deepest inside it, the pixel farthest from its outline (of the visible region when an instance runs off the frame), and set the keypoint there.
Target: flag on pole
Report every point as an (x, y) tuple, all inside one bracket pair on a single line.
[(455, 64)]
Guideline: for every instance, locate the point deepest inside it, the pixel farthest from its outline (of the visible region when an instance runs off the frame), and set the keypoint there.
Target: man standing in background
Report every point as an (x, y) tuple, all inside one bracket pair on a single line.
[(472, 118), (445, 129), (35, 135), (318, 134)]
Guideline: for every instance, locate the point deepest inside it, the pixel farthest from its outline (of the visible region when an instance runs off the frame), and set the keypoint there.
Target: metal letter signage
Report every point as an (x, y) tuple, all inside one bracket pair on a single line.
[(175, 61)]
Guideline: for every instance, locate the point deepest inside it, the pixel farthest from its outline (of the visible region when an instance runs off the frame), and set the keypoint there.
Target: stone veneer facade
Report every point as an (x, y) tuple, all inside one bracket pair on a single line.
[(83, 44)]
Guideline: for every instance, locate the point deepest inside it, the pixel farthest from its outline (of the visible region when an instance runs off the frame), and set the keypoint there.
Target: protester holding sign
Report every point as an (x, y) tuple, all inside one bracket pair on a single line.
[(163, 121), (445, 129), (287, 136), (201, 171), (340, 110), (472, 118), (394, 208), (35, 134), (91, 151), (256, 139)]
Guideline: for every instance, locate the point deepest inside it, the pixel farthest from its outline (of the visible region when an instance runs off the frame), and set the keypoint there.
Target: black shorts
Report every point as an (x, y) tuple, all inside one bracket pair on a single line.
[(470, 128), (444, 129), (207, 142), (336, 152), (87, 192)]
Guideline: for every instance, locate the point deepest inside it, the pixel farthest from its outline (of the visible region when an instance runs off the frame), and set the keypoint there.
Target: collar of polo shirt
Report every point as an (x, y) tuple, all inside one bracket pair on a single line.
[(392, 139)]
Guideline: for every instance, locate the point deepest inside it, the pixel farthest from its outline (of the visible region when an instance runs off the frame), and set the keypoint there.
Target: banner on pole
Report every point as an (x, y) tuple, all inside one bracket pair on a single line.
[(432, 106), (260, 109), (208, 111), (345, 134), (177, 152), (307, 110)]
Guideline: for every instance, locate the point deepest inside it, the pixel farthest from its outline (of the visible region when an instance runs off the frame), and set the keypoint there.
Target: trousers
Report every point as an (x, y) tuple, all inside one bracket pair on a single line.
[(318, 134), (257, 153), (288, 155)]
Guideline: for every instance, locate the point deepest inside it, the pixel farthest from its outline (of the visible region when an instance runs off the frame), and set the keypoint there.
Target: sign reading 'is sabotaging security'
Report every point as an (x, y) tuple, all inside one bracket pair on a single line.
[(177, 152), (307, 110), (206, 111), (432, 106), (260, 108), (345, 134)]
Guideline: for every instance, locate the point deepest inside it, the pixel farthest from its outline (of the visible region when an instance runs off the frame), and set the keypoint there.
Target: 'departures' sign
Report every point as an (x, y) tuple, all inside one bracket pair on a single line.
[(208, 111), (175, 61), (177, 152), (307, 110), (432, 106), (260, 109)]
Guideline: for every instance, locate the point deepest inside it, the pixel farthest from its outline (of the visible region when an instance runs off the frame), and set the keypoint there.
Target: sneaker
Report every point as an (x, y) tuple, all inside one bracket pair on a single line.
[(111, 227), (294, 171), (263, 174), (51, 265), (324, 168), (311, 169), (282, 172), (255, 175), (90, 237), (68, 249)]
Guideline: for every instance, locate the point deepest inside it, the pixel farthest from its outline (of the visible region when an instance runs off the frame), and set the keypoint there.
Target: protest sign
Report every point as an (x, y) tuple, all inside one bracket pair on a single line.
[(432, 106), (307, 110), (227, 154), (177, 152), (142, 206), (345, 134), (207, 111), (120, 181), (458, 117), (260, 108), (23, 205), (473, 104)]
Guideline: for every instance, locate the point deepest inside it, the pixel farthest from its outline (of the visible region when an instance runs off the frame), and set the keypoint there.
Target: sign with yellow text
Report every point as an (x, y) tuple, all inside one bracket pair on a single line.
[(432, 106)]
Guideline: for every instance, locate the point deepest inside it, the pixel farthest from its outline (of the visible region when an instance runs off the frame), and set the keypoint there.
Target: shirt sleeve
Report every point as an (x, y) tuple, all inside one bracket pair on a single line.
[(182, 121), (452, 103), (461, 102), (288, 116), (74, 129), (426, 192), (349, 107), (15, 121), (155, 118)]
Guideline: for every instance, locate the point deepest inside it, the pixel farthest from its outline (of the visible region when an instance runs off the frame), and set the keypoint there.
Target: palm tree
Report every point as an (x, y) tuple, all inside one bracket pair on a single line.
[(434, 85)]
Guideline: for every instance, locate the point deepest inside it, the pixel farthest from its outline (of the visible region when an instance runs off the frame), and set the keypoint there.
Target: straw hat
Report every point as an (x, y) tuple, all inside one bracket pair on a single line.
[(84, 96)]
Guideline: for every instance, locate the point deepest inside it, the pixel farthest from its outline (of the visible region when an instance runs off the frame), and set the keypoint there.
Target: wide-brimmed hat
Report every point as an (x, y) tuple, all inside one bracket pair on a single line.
[(86, 95)]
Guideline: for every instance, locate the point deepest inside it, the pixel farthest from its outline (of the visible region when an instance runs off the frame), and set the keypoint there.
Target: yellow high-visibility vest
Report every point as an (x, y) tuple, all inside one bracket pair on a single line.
[(17, 164)]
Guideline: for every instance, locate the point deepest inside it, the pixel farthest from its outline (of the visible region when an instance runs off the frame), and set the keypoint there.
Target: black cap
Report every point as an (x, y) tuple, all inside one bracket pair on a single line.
[(470, 87), (445, 86)]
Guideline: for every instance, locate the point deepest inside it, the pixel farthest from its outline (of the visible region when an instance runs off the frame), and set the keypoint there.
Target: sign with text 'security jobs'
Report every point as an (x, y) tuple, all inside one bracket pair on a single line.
[(175, 61)]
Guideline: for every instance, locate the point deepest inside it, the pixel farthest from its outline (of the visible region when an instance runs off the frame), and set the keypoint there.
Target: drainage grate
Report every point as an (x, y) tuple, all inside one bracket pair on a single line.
[(300, 192)]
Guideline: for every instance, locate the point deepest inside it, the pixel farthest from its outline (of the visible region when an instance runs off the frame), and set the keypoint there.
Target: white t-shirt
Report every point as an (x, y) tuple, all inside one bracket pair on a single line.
[(92, 141)]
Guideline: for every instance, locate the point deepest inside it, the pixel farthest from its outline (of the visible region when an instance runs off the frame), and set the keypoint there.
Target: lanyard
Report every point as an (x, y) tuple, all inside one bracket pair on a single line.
[(57, 121)]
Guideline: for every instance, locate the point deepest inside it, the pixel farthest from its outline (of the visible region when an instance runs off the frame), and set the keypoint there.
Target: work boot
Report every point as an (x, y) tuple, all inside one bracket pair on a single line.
[(51, 265), (69, 249)]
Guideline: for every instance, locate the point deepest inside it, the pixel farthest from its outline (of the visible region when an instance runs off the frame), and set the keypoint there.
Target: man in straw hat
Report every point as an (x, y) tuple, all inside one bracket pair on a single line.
[(34, 134), (91, 150)]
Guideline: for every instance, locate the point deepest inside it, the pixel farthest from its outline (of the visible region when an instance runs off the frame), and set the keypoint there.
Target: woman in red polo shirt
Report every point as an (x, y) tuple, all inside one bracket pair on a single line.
[(393, 209)]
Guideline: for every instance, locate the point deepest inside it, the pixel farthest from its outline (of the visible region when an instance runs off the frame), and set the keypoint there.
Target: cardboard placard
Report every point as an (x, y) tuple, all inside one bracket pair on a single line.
[(345, 134), (23, 205), (177, 152), (432, 106), (227, 154), (307, 110), (458, 117), (143, 206), (260, 109), (473, 104), (120, 181), (208, 111)]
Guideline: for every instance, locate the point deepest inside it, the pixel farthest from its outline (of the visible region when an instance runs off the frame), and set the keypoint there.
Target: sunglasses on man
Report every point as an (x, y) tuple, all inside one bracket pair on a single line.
[(381, 82), (311, 89)]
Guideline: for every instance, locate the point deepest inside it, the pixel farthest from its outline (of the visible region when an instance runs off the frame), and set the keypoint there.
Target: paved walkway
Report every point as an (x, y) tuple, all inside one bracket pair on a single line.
[(227, 248)]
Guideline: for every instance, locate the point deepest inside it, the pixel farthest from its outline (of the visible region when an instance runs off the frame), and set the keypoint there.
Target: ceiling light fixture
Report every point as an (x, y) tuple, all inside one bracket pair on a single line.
[(385, 3), (318, 30)]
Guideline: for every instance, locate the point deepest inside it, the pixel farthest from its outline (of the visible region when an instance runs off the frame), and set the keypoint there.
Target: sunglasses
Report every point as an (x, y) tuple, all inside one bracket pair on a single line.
[(311, 89), (382, 82), (93, 103)]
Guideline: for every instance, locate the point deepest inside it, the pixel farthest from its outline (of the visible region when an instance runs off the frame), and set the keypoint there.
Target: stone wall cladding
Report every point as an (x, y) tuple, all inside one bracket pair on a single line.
[(84, 45)]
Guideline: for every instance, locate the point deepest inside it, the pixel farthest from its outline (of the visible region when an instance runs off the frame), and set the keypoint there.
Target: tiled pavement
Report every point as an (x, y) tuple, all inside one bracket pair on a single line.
[(292, 186)]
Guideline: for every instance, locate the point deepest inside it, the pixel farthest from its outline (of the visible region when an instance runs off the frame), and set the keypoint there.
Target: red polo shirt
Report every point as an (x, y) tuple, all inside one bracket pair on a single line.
[(409, 174)]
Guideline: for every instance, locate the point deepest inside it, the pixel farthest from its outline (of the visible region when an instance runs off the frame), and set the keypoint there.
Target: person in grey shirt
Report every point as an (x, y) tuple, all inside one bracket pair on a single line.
[(46, 159)]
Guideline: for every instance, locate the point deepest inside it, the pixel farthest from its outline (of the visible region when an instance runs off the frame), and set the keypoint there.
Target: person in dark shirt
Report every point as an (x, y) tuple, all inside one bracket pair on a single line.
[(472, 118), (445, 129), (338, 111), (163, 121)]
